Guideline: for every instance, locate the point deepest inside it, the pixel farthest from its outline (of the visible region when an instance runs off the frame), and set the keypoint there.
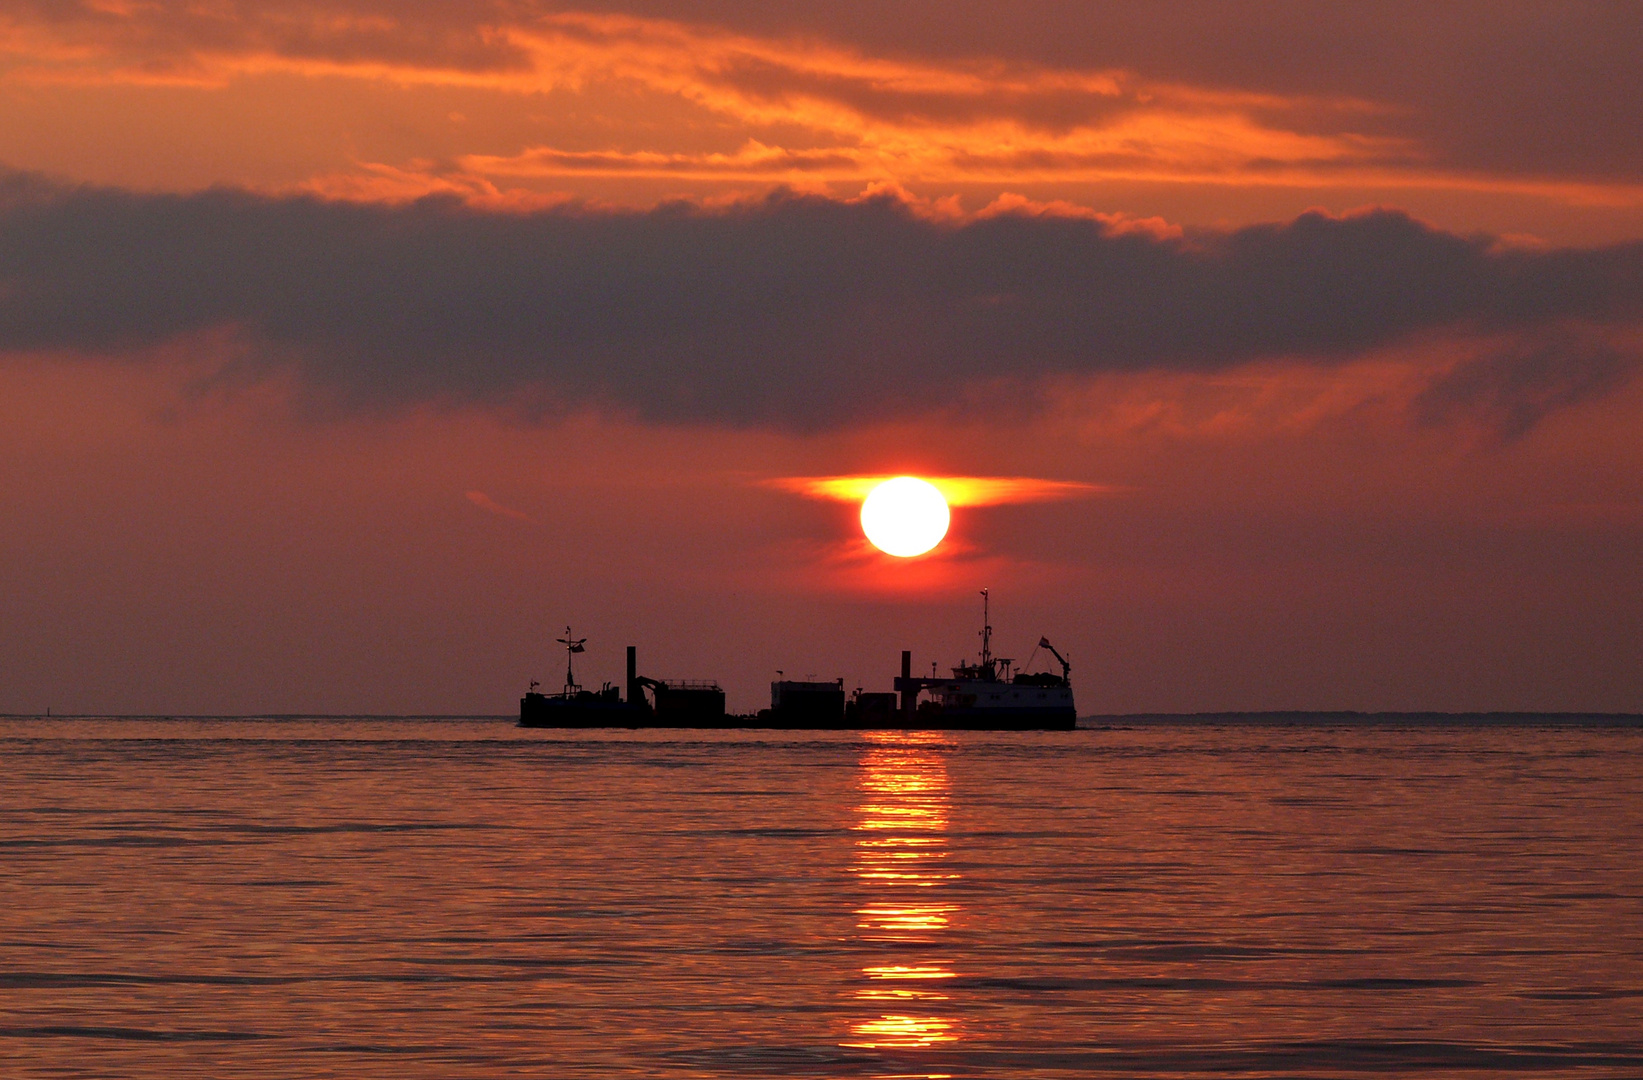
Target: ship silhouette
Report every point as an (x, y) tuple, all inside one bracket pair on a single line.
[(988, 695)]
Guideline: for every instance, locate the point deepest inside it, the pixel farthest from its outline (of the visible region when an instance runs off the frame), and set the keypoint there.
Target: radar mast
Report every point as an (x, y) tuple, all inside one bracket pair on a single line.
[(573, 645), (986, 632)]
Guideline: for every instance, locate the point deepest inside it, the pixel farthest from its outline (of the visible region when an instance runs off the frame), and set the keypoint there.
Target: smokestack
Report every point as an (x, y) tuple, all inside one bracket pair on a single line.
[(633, 675), (908, 694)]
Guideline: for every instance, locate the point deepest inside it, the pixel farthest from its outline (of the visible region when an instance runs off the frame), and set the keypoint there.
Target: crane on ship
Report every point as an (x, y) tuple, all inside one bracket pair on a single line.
[(1066, 668)]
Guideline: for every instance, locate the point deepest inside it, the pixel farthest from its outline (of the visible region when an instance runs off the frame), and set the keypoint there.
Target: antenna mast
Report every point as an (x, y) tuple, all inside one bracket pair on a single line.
[(572, 645), (986, 632)]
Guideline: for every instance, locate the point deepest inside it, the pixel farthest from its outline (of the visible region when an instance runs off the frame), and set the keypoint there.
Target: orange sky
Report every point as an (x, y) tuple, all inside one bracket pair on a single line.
[(1518, 123), (300, 443)]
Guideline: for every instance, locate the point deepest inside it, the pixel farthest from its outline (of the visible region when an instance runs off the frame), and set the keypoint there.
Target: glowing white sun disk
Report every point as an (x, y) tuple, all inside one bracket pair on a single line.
[(905, 516)]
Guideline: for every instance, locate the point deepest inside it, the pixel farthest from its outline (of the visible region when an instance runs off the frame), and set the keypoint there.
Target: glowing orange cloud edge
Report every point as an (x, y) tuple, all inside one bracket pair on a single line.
[(957, 490), (868, 118)]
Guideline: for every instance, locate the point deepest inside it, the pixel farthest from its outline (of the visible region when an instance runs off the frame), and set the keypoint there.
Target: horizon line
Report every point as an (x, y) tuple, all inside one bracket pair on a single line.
[(1211, 716)]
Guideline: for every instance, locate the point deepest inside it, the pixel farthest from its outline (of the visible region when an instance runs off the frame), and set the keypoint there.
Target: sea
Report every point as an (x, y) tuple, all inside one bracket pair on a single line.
[(406, 898)]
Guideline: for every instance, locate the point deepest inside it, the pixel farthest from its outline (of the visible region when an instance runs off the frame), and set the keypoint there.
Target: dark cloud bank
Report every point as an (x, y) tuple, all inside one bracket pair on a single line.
[(794, 311)]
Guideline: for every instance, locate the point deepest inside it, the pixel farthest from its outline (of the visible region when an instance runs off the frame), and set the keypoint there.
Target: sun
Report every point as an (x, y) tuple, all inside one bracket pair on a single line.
[(905, 516)]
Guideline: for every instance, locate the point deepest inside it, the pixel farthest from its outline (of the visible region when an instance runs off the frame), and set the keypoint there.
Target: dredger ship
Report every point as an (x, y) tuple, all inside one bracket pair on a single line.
[(988, 695)]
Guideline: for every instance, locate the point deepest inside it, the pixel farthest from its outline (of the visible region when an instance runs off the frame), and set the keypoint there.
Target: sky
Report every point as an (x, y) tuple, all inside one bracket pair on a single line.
[(349, 351)]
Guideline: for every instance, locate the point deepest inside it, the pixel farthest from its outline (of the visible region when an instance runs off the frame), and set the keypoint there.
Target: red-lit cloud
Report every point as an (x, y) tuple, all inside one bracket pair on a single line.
[(485, 502)]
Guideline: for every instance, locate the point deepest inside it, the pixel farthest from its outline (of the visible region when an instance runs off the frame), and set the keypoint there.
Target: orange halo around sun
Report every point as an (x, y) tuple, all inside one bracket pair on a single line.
[(956, 490)]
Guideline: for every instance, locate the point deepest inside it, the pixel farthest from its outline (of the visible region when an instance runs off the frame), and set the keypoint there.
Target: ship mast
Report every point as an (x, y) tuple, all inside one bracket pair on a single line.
[(986, 633), (572, 645)]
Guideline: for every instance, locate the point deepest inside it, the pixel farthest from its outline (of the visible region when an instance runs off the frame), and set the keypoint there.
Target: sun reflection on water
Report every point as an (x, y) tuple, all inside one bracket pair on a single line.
[(901, 848)]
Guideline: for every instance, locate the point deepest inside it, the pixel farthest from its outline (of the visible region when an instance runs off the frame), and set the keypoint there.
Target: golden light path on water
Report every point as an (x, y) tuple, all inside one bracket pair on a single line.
[(900, 855)]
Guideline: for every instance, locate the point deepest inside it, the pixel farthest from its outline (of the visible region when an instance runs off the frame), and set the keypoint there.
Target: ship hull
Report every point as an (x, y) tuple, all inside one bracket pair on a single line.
[(541, 711), (1055, 718), (556, 713)]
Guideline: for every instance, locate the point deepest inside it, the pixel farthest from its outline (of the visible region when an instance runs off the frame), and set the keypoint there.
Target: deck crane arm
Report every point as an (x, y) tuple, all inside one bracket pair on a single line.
[(1066, 668)]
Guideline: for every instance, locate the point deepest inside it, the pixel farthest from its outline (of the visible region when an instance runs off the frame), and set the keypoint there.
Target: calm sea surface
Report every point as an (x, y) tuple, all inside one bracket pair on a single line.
[(406, 899)]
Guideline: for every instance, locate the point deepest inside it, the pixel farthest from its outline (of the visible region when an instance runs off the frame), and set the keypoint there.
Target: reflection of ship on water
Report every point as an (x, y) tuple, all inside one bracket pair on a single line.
[(900, 857), (986, 695)]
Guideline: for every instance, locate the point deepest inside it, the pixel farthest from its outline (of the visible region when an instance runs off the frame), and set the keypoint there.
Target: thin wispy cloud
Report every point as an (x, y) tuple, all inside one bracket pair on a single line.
[(486, 503)]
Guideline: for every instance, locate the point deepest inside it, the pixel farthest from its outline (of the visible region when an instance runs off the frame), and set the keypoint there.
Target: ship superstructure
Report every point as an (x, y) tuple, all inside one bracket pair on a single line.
[(573, 706), (989, 694), (684, 703)]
